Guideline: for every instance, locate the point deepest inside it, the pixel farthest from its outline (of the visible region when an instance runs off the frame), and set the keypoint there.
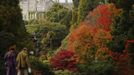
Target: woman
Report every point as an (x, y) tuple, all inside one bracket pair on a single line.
[(10, 62)]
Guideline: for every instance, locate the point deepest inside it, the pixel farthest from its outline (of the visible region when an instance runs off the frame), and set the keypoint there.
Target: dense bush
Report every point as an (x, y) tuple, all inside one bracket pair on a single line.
[(93, 34), (51, 35), (64, 72), (129, 46), (96, 68), (36, 64), (74, 14), (64, 60), (84, 7), (81, 9), (59, 14), (122, 25), (53, 28), (90, 41)]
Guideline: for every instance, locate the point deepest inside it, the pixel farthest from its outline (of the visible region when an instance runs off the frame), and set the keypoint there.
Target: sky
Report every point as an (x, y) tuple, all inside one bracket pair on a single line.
[(62, 1)]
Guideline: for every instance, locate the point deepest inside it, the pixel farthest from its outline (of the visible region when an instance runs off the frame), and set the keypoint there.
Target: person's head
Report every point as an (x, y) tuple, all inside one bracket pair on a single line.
[(12, 49), (25, 49)]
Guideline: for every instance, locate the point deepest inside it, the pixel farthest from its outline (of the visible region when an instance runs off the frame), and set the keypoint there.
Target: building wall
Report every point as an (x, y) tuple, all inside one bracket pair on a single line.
[(30, 8)]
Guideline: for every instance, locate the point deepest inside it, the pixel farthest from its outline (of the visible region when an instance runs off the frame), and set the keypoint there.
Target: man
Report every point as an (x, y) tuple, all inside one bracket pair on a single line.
[(10, 62), (22, 62)]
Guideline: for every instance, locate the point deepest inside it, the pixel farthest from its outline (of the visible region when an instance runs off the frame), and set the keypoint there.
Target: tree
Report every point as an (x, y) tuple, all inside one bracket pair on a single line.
[(76, 3), (93, 34), (55, 24), (12, 28), (123, 25), (11, 18), (11, 22), (80, 10), (59, 13), (84, 7), (51, 34), (74, 14), (8, 40)]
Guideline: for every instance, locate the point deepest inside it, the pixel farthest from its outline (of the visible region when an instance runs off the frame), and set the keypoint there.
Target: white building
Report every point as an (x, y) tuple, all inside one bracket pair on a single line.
[(34, 9)]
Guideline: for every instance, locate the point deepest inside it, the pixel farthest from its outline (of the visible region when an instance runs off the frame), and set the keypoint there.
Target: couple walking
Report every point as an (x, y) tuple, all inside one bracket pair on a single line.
[(16, 66)]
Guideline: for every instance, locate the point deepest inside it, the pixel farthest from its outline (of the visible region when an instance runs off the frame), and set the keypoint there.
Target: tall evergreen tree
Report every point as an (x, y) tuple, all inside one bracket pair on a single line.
[(123, 26), (80, 9), (74, 14), (11, 17), (12, 28), (11, 25), (84, 7)]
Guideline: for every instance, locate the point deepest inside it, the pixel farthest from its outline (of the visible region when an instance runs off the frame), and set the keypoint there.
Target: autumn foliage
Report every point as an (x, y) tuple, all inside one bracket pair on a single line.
[(123, 60), (90, 38), (102, 16), (64, 60), (89, 41)]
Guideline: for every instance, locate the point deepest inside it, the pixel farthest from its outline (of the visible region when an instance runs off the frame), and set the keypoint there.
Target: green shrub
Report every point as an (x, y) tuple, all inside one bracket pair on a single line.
[(51, 34), (40, 66), (84, 7), (63, 72), (2, 72), (96, 68)]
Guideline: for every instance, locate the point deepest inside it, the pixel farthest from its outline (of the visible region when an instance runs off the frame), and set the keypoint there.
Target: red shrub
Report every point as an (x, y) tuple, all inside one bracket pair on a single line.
[(64, 59), (127, 43), (122, 60)]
